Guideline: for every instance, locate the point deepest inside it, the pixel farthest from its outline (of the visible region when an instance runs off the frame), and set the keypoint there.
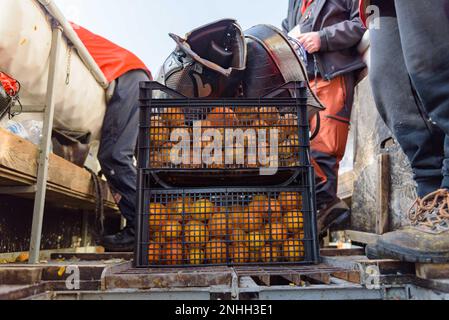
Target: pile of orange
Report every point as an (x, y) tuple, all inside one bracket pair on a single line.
[(222, 118), (196, 232)]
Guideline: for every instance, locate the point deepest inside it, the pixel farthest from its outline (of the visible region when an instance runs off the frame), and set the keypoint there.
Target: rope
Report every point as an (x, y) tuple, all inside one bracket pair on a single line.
[(99, 203)]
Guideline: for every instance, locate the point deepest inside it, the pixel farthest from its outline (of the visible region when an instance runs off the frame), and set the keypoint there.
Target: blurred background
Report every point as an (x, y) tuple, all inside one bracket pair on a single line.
[(142, 26)]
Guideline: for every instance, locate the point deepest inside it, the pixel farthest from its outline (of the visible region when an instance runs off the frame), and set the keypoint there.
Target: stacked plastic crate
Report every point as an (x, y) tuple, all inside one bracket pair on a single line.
[(225, 181)]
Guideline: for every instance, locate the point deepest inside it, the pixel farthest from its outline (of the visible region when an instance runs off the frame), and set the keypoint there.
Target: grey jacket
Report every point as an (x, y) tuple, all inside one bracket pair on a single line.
[(340, 28)]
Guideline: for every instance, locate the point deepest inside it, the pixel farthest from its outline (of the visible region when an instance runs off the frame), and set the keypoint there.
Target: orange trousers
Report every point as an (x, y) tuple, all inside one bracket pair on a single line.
[(328, 148)]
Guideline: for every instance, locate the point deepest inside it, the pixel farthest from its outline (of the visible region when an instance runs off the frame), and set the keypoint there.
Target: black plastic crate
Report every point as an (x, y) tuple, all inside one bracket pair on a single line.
[(226, 226), (275, 131)]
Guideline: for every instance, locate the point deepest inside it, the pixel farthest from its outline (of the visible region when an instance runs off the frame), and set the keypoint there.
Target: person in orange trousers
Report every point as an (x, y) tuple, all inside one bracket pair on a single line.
[(329, 31)]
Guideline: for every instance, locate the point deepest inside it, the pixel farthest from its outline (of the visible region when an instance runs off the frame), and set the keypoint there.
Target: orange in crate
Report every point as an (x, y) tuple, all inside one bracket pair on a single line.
[(293, 250), (237, 213), (255, 241), (216, 251), (171, 230), (165, 154), (202, 210), (218, 226), (238, 237), (270, 254), (239, 254), (294, 221), (172, 254), (222, 117), (263, 205), (270, 115), (290, 201), (288, 125), (276, 232), (246, 114), (173, 117), (159, 132), (197, 256), (254, 256), (196, 234), (154, 253), (158, 216), (177, 208), (252, 220)]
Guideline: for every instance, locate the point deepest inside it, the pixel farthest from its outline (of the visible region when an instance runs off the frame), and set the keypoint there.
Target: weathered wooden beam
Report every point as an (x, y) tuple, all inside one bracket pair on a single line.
[(69, 185), (432, 271), (362, 237), (383, 194)]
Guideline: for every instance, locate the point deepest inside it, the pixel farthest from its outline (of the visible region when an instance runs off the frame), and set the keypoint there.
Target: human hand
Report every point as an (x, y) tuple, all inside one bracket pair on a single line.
[(311, 41)]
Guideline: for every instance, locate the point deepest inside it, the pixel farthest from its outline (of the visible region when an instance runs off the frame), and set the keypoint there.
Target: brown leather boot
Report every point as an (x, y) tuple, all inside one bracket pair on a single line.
[(426, 240)]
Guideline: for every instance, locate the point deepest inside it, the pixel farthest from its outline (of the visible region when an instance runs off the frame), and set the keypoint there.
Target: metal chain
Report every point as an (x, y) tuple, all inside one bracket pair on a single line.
[(431, 212), (69, 64)]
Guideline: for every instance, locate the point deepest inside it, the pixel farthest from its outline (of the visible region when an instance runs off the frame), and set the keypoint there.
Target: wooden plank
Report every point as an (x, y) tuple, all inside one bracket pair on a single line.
[(346, 185), (18, 166), (333, 252), (383, 195), (432, 271), (362, 237), (20, 275), (93, 256)]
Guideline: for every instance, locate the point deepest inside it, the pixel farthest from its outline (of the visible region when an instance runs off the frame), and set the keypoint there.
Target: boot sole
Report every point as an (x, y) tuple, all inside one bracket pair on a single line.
[(401, 254), (119, 249)]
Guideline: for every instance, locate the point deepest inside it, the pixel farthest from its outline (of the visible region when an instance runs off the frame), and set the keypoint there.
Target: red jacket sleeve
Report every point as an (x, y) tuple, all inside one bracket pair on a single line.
[(112, 59)]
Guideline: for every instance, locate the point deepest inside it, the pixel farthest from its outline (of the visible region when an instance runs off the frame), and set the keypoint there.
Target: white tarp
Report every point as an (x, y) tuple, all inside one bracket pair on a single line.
[(25, 43)]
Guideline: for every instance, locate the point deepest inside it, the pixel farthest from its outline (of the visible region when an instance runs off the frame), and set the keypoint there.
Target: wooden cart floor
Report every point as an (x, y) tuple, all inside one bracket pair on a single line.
[(68, 185)]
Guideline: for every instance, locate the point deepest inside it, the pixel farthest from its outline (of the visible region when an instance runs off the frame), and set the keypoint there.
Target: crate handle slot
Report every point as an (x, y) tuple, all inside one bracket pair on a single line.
[(156, 86), (292, 85)]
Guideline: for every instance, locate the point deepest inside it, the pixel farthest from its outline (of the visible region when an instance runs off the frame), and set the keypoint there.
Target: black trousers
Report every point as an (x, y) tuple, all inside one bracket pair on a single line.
[(410, 80), (119, 141)]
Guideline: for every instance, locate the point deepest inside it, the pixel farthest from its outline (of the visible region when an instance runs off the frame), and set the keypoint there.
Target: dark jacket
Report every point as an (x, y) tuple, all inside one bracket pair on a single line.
[(340, 28)]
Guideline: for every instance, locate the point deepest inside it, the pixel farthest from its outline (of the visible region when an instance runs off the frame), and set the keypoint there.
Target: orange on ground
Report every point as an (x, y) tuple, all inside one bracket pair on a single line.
[(196, 234), (158, 216), (290, 201), (293, 250), (216, 251), (294, 221)]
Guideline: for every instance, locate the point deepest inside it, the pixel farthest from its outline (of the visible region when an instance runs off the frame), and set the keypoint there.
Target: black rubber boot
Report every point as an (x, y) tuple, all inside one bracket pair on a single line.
[(427, 239), (415, 246), (336, 214), (124, 241)]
